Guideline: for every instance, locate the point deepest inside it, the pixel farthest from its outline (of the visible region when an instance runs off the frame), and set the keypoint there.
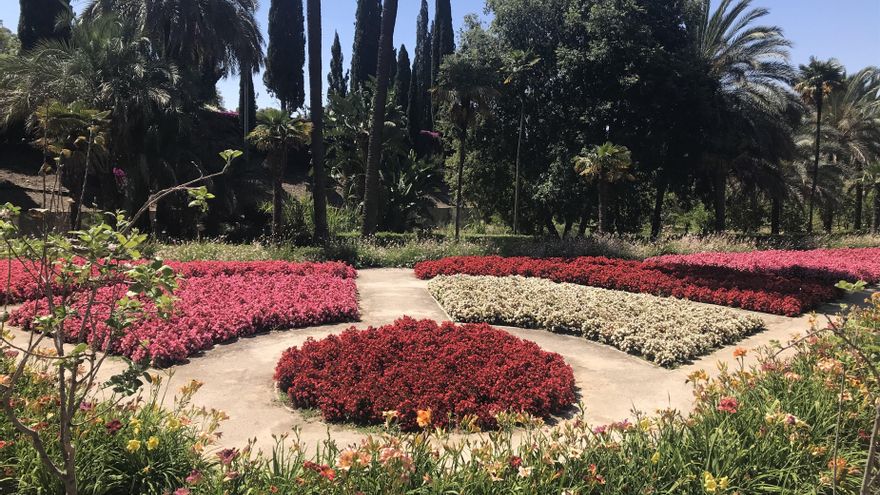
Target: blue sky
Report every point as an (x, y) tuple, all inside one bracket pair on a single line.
[(846, 29)]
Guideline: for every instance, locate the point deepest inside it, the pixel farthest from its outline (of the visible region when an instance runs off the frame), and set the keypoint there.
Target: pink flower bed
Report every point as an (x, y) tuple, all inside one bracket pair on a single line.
[(211, 309), (829, 265), (22, 284), (427, 373), (759, 291)]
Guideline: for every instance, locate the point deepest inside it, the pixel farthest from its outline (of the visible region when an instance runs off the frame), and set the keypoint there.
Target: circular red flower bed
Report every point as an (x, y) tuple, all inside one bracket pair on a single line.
[(410, 366)]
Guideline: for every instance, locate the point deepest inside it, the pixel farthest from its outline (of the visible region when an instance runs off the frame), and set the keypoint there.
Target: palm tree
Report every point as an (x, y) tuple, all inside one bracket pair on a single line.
[(748, 64), (817, 80), (386, 57), (276, 134), (316, 96), (207, 38), (604, 165), (465, 88), (853, 128), (871, 178)]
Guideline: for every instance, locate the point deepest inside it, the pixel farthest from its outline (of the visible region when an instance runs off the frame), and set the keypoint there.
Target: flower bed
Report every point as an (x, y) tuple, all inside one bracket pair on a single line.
[(212, 309), (829, 265), (666, 331), (766, 292), (443, 370)]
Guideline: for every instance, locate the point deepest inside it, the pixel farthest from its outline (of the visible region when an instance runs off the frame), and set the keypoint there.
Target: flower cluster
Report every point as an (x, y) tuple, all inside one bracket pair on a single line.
[(765, 292), (829, 265), (667, 331), (422, 373), (211, 308)]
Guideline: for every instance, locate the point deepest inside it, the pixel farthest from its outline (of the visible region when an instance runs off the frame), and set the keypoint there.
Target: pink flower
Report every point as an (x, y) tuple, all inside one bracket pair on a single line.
[(226, 456), (181, 491), (728, 404), (194, 478)]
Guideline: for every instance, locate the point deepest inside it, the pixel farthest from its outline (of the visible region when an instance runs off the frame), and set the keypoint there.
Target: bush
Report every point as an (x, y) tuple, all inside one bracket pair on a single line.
[(766, 292), (664, 330), (452, 372)]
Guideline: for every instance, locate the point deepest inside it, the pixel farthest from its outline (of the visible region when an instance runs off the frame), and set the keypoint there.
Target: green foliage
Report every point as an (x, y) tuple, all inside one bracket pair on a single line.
[(365, 51), (286, 56), (418, 109), (336, 82), (9, 44), (43, 20)]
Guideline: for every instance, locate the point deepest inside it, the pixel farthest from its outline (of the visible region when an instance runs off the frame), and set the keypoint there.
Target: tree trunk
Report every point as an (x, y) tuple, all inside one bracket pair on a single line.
[(551, 229), (816, 161), (569, 223), (585, 219), (371, 187), (602, 186), (828, 219), (860, 198), (657, 214), (277, 165), (316, 76), (877, 208), (462, 143), (775, 214), (720, 198)]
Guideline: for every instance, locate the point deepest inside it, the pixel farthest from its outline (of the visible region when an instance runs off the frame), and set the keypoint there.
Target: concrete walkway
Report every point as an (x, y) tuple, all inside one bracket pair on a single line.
[(237, 376)]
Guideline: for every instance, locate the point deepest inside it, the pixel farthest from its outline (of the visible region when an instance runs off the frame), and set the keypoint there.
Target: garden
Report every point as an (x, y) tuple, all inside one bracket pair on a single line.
[(583, 262)]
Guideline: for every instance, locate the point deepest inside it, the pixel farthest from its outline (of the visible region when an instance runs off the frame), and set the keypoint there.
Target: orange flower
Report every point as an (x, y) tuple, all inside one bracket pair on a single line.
[(423, 418), (739, 352)]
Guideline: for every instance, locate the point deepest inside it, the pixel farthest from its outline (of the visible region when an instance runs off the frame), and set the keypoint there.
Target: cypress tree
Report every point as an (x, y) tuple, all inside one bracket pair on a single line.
[(419, 105), (286, 57), (365, 51), (392, 72), (442, 34), (402, 79), (337, 83), (38, 20)]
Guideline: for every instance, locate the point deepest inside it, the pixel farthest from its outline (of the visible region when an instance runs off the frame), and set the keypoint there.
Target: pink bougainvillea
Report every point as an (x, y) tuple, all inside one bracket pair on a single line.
[(757, 291), (216, 303), (441, 370)]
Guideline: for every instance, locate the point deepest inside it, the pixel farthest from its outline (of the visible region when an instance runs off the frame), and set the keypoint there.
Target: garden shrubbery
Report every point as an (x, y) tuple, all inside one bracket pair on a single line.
[(664, 330), (421, 371), (766, 292)]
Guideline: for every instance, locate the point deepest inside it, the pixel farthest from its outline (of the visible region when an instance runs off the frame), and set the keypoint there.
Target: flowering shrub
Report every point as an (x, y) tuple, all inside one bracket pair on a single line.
[(829, 265), (766, 292), (212, 309), (664, 330), (424, 373)]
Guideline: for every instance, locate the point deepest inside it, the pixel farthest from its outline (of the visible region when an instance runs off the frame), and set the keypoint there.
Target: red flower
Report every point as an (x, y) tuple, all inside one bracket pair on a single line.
[(113, 426), (728, 404)]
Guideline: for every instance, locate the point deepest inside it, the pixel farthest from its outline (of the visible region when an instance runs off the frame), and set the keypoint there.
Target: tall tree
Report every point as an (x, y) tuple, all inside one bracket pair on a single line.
[(365, 51), (817, 80), (371, 186), (403, 78), (337, 82), (316, 95), (419, 101), (38, 20), (465, 88), (749, 66), (247, 100), (442, 35), (286, 56)]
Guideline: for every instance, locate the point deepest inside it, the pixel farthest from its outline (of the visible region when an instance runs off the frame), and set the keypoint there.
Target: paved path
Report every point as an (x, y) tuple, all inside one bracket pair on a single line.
[(237, 376)]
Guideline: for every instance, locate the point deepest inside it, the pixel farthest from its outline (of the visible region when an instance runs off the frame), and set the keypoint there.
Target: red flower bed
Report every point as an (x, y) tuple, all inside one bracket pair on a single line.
[(211, 309), (22, 285), (766, 292), (413, 366), (829, 265)]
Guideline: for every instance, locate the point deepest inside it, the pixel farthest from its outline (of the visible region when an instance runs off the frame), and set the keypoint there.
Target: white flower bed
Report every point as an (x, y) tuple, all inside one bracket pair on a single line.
[(665, 330)]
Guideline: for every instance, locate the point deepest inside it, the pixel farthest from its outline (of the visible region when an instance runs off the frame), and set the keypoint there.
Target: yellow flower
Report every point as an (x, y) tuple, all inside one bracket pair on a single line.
[(152, 443), (709, 483), (645, 424), (133, 445), (723, 483), (423, 418), (655, 458), (173, 423)]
